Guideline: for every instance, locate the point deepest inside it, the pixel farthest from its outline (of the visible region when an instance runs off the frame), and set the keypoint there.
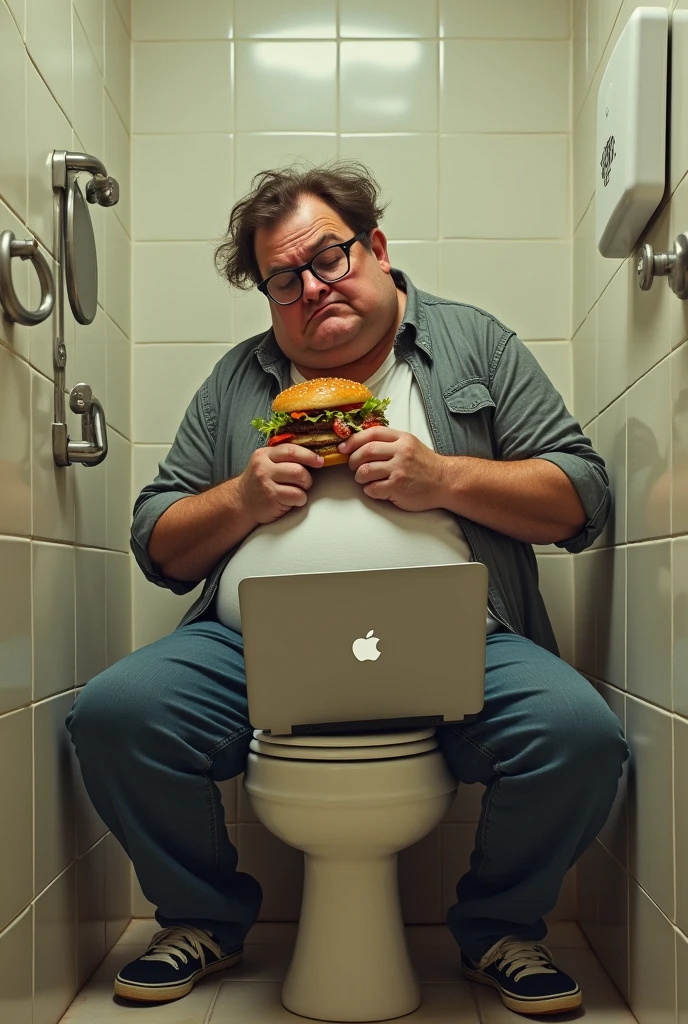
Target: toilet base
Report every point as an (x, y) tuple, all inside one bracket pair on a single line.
[(351, 961)]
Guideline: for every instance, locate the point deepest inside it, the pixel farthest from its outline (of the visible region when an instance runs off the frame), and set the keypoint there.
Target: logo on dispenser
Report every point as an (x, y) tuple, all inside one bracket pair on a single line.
[(365, 647), (608, 154)]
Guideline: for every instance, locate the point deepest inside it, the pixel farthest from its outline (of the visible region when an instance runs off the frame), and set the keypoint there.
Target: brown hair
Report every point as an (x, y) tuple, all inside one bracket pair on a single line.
[(347, 186)]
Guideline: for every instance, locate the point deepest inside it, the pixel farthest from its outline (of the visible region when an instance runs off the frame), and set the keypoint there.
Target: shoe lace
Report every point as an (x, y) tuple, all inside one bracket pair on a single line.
[(180, 940), (519, 958)]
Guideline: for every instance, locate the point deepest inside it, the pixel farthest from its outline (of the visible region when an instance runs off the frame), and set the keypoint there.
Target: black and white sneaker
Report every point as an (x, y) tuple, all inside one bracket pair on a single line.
[(525, 977), (175, 960)]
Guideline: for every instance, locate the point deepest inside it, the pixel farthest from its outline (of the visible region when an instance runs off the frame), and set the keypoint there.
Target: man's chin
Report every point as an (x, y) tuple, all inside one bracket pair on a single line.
[(331, 331)]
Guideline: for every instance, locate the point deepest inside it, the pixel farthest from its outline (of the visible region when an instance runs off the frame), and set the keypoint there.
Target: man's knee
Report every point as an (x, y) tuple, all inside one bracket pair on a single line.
[(583, 736), (106, 711)]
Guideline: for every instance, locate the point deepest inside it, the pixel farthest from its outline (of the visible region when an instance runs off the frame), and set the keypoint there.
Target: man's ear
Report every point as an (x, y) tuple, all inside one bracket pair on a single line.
[(378, 242)]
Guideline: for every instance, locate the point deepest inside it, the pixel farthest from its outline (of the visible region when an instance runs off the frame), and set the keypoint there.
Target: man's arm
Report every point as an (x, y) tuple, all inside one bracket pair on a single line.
[(538, 442), (532, 500), (196, 532), (185, 476)]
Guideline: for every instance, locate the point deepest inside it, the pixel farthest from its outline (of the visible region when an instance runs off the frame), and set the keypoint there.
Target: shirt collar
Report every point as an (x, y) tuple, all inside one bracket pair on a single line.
[(413, 328)]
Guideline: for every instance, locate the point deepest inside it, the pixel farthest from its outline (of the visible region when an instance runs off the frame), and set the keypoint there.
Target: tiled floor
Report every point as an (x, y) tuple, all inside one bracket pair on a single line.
[(250, 994)]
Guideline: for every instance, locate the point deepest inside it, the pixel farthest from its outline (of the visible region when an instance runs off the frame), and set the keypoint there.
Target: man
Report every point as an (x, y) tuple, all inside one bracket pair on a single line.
[(503, 465)]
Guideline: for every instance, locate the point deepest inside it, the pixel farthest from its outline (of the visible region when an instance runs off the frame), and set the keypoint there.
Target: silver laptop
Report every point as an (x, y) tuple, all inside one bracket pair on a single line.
[(367, 650)]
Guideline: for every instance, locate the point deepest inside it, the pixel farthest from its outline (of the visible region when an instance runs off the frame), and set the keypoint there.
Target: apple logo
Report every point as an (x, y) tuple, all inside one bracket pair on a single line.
[(365, 647)]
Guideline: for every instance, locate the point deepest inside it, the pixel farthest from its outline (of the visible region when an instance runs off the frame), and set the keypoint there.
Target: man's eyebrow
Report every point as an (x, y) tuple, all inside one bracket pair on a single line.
[(320, 243)]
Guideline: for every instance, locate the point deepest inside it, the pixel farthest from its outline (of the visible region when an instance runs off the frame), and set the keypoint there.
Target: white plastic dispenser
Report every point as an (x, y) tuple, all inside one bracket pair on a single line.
[(631, 132)]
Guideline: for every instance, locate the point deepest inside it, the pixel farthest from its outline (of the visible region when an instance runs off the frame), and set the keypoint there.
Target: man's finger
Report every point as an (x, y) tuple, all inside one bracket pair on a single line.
[(371, 471), (373, 451), (360, 437), (379, 489), (289, 452)]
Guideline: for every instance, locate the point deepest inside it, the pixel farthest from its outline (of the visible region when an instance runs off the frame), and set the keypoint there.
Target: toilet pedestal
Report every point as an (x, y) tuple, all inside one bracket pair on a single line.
[(350, 803), (364, 970)]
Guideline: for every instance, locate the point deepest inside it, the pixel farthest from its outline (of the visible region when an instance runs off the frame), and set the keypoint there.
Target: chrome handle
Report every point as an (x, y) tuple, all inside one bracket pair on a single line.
[(93, 447), (673, 265), (25, 249)]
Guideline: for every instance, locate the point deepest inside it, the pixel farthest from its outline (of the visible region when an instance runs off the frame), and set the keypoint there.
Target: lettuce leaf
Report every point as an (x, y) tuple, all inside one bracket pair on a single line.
[(354, 418)]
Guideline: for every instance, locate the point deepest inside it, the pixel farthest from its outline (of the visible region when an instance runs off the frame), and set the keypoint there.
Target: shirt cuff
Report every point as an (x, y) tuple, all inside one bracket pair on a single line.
[(593, 493), (144, 521)]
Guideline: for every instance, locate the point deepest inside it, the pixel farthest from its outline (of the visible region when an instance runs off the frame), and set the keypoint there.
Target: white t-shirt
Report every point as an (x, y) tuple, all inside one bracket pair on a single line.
[(340, 528)]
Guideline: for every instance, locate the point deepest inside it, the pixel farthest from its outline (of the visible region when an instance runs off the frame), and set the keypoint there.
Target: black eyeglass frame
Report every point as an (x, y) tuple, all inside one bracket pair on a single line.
[(345, 246)]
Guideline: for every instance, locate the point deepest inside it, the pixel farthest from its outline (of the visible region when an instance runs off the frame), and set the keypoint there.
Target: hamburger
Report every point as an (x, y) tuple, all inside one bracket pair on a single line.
[(321, 413)]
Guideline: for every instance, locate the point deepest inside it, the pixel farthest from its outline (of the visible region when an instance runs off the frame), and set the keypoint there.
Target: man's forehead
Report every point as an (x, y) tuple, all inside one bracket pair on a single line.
[(295, 238)]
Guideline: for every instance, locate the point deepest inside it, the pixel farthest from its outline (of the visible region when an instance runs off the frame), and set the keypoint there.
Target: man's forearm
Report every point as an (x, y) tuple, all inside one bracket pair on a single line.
[(194, 533), (532, 500)]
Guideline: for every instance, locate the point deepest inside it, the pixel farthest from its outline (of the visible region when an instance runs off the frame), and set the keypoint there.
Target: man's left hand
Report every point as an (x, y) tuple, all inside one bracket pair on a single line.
[(395, 466)]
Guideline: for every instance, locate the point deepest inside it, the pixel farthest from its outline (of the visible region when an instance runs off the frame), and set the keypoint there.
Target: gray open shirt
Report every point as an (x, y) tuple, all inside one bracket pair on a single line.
[(485, 395)]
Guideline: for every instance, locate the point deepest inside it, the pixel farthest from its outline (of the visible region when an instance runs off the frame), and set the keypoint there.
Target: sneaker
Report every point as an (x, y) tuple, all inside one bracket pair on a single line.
[(525, 977), (175, 960)]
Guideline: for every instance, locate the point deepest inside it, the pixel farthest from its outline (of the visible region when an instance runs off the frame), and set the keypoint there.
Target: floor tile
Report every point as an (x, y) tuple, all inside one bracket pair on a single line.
[(275, 933), (139, 931), (96, 1004), (565, 935), (260, 1004), (251, 992)]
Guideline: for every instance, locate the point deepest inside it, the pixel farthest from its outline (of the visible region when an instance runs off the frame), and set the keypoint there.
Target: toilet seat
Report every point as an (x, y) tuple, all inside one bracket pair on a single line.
[(355, 747)]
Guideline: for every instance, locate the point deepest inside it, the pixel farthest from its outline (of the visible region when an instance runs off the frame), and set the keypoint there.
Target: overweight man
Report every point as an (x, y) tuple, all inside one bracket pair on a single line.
[(480, 460)]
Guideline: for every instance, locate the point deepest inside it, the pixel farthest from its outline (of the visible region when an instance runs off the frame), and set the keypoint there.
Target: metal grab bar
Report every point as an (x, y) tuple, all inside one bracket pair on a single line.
[(25, 249), (82, 288), (93, 447)]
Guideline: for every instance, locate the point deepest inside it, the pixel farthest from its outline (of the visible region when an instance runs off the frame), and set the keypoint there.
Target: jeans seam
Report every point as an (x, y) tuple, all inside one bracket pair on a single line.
[(213, 824), (492, 789), (484, 832), (221, 744), (476, 746)]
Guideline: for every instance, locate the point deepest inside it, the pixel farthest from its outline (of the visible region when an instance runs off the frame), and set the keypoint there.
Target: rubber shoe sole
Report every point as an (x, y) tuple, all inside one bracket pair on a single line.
[(546, 1004), (165, 993)]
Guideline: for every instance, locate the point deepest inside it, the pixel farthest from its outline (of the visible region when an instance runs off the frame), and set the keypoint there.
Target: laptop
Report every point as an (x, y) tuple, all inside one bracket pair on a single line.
[(364, 651)]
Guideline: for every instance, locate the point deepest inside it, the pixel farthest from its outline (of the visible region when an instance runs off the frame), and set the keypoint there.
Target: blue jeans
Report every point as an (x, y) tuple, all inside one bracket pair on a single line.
[(157, 730)]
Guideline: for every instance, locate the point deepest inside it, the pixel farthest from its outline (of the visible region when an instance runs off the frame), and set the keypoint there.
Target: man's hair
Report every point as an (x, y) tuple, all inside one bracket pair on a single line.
[(347, 186)]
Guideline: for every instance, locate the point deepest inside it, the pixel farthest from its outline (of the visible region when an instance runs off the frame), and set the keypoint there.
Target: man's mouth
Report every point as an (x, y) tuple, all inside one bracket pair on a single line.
[(324, 309)]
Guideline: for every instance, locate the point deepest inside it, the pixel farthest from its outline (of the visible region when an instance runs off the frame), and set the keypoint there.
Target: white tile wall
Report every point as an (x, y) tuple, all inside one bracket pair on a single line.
[(505, 19), (388, 85), (640, 611), (175, 19), (64, 84), (13, 82), (182, 87), (407, 168), (511, 97), (478, 205)]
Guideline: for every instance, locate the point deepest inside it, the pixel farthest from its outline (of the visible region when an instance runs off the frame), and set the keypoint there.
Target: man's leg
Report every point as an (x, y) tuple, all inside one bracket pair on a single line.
[(551, 753), (153, 733)]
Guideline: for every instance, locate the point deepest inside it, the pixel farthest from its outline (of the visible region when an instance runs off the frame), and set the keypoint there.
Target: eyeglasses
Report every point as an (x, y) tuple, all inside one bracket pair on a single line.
[(328, 265)]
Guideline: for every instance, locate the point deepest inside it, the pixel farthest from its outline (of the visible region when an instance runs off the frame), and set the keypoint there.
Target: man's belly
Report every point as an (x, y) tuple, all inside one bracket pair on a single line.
[(340, 529)]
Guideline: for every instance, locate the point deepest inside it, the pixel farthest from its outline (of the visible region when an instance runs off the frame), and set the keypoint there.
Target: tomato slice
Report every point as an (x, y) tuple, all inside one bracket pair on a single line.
[(349, 408), (279, 438)]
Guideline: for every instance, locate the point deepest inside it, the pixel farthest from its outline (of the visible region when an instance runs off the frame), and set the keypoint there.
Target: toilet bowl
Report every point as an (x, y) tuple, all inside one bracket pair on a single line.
[(350, 803)]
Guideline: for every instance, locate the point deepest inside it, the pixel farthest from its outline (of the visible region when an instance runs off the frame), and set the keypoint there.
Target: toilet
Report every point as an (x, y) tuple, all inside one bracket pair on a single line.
[(350, 803)]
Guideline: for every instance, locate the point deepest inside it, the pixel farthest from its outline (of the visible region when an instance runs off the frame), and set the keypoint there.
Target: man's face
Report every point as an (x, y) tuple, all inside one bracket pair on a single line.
[(331, 324)]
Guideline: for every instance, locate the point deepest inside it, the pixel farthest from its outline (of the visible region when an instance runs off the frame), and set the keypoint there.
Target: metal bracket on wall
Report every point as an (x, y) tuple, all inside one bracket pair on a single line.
[(673, 265), (77, 269), (24, 249)]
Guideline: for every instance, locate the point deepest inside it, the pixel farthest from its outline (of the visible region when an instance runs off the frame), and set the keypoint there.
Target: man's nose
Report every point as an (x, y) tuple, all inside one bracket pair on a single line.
[(312, 288)]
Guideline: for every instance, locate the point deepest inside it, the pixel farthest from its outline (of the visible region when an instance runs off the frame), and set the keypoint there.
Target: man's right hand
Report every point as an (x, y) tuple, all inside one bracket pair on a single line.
[(275, 480)]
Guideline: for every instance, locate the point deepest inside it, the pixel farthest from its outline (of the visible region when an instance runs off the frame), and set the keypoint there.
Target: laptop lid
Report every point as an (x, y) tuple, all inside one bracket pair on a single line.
[(370, 647)]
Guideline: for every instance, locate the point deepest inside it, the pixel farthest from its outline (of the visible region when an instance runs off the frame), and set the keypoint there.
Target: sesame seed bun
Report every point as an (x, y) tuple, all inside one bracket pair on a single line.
[(320, 393)]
